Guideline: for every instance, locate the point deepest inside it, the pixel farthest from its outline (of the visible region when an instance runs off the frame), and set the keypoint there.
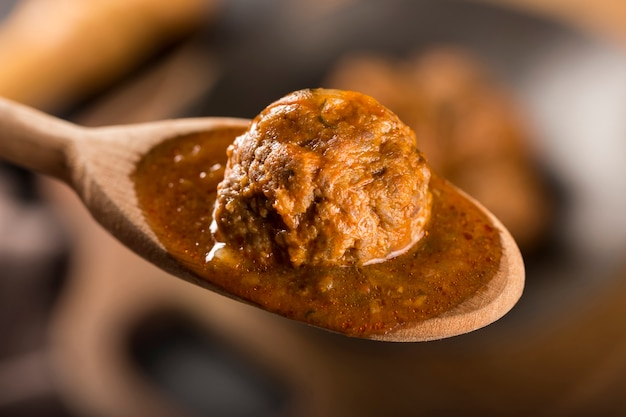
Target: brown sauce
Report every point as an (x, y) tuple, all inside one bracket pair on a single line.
[(176, 188)]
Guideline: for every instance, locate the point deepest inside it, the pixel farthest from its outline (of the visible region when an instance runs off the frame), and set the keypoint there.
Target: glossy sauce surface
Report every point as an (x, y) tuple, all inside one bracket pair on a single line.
[(176, 188)]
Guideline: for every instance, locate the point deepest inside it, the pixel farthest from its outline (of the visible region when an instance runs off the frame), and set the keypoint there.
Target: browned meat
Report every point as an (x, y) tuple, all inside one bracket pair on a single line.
[(324, 177), (467, 124)]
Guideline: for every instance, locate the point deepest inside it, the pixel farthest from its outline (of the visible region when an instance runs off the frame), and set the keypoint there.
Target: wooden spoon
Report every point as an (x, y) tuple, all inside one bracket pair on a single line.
[(98, 164)]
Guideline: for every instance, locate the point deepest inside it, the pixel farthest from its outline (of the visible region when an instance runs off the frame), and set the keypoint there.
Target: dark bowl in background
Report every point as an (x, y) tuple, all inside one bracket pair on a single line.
[(554, 354)]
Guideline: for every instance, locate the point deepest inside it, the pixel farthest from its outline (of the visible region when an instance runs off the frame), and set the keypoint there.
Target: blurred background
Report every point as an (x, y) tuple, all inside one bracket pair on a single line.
[(520, 102)]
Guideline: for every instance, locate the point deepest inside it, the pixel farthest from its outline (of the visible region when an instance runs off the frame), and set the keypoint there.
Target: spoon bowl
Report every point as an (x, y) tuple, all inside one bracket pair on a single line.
[(98, 163)]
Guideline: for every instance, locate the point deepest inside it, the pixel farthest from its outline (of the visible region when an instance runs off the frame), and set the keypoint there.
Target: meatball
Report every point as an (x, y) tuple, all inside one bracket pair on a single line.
[(469, 126), (323, 177)]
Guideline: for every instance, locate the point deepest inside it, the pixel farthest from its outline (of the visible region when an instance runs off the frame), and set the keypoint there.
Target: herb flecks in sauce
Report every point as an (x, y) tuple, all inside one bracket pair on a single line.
[(176, 188)]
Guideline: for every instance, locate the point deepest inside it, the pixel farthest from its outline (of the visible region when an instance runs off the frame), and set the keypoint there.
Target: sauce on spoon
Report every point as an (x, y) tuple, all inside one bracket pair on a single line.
[(152, 186), (176, 185)]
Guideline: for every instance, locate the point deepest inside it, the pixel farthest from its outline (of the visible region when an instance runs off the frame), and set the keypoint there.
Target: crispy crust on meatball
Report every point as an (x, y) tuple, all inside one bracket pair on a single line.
[(324, 177)]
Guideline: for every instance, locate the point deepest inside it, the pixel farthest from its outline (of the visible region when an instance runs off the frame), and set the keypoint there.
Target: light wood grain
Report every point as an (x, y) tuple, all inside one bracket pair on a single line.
[(600, 17), (57, 52), (98, 164)]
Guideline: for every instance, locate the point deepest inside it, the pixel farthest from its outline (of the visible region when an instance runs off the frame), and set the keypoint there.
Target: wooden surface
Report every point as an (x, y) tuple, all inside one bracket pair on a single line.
[(606, 17), (86, 46)]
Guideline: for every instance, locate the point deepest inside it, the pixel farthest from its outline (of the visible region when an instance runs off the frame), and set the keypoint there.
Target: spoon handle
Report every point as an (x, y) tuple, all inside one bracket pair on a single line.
[(36, 141)]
